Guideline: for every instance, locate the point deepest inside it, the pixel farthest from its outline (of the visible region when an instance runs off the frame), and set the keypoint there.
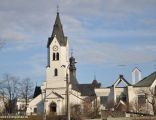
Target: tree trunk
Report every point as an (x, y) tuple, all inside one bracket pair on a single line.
[(154, 110)]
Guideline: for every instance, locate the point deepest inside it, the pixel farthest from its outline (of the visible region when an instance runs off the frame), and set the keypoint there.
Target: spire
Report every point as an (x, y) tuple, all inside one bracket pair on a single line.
[(58, 31), (58, 22)]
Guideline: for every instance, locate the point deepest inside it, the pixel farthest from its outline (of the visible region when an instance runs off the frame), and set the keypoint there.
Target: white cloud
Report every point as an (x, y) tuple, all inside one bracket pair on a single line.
[(14, 36), (100, 53), (84, 22)]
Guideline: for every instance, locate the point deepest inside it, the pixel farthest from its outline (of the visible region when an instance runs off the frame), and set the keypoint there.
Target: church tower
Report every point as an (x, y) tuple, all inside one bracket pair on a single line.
[(57, 56), (57, 68)]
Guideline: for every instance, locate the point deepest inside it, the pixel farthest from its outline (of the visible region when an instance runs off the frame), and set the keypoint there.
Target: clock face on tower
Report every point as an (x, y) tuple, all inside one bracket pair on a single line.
[(55, 48)]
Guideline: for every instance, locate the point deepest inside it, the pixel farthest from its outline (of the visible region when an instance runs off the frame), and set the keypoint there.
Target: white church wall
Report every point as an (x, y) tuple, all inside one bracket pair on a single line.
[(33, 104), (146, 107), (75, 97), (57, 81), (102, 91), (60, 102), (60, 109)]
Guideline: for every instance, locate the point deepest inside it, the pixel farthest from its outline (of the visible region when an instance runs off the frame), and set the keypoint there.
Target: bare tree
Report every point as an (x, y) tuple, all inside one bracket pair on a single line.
[(151, 98), (90, 107), (26, 88), (9, 92)]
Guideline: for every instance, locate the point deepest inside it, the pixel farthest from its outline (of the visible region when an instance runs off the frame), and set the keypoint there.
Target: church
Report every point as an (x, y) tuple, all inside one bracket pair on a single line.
[(50, 97)]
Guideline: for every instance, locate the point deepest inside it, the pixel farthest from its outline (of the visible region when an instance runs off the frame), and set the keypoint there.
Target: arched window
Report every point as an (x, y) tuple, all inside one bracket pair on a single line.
[(55, 72), (53, 56), (53, 107), (57, 56)]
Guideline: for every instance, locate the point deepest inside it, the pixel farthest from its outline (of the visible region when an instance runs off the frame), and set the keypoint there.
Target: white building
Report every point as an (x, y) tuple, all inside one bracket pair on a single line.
[(21, 105), (128, 97), (52, 95)]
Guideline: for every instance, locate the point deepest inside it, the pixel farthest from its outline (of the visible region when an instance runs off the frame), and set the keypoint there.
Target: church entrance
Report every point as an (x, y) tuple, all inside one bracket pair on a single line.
[(53, 107)]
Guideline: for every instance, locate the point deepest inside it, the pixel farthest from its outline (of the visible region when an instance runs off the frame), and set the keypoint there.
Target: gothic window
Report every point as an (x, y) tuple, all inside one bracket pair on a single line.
[(53, 56), (57, 56), (55, 72)]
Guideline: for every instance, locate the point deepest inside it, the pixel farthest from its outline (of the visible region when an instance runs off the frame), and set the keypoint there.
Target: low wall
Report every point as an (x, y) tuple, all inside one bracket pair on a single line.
[(132, 118)]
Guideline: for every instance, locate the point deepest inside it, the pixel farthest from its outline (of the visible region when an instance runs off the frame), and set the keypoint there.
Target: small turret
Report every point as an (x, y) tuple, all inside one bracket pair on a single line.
[(95, 83), (136, 75), (72, 69)]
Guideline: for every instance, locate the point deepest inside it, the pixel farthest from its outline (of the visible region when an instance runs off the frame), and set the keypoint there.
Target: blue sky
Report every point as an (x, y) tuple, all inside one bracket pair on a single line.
[(103, 33)]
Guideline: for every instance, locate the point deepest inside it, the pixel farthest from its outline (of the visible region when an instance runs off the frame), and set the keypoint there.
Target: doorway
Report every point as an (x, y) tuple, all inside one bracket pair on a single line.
[(53, 107)]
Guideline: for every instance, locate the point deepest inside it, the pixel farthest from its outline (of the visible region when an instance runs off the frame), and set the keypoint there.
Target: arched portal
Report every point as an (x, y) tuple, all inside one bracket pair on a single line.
[(53, 107)]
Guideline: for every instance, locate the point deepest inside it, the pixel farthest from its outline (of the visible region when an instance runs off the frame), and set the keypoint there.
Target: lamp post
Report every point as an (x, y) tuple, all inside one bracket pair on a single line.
[(67, 93)]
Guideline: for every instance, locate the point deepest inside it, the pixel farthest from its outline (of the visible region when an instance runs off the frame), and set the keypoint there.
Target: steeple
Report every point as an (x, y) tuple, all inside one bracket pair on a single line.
[(58, 32)]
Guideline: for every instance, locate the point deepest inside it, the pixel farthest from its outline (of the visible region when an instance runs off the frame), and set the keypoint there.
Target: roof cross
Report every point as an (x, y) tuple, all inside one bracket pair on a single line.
[(57, 8), (72, 52)]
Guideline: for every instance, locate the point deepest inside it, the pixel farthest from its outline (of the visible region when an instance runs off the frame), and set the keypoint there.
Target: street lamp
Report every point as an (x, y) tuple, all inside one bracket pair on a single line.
[(67, 92)]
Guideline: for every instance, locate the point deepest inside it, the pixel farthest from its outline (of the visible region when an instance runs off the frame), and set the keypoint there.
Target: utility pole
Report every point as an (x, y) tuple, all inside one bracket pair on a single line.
[(44, 99), (67, 93)]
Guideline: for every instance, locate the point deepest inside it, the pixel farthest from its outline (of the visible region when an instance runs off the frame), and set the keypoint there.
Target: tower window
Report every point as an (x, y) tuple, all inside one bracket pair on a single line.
[(53, 56), (57, 56), (55, 72)]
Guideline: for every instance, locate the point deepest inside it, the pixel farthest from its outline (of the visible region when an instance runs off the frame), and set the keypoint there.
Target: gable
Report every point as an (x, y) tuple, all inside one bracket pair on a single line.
[(53, 94), (61, 42), (121, 81)]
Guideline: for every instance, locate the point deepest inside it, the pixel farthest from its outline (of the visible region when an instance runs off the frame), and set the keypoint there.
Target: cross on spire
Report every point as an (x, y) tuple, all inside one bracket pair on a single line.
[(72, 52), (57, 8)]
